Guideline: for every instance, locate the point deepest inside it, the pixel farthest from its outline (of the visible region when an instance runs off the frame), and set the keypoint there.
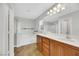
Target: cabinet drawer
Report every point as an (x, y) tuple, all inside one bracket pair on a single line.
[(45, 40), (46, 45), (39, 47), (45, 51)]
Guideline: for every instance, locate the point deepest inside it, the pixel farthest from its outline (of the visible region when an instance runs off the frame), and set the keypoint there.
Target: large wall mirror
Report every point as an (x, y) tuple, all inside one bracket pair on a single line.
[(64, 25)]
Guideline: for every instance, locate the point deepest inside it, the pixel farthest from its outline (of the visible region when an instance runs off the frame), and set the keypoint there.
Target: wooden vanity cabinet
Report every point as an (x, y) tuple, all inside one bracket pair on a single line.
[(55, 48), (50, 47), (68, 50), (39, 43), (77, 53), (45, 46), (62, 49)]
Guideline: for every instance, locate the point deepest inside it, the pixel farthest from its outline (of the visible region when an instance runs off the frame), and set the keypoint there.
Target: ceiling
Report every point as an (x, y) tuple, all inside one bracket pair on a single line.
[(30, 10), (70, 8), (34, 10)]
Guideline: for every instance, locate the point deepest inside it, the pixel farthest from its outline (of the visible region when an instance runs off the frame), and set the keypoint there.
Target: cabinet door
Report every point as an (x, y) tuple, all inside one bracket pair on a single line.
[(55, 48), (39, 43), (62, 49), (52, 48), (45, 46), (45, 51), (58, 49), (77, 53), (68, 50)]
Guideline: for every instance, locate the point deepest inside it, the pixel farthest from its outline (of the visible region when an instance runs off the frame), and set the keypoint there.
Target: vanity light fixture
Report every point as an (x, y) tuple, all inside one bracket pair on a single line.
[(56, 9)]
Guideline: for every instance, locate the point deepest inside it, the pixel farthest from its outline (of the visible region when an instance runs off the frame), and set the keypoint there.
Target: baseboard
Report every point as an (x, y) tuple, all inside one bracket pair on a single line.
[(24, 44)]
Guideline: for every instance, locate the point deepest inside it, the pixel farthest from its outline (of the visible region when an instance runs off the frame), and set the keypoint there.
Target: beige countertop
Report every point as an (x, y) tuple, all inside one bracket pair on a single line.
[(70, 41)]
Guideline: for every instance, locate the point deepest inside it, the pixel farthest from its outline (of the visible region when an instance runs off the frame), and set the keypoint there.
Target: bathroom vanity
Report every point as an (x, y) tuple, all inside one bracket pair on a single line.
[(50, 45)]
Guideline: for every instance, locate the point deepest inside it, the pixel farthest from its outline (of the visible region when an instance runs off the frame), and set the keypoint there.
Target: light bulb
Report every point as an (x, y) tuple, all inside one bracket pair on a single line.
[(63, 8), (58, 10), (54, 8), (51, 10), (59, 5), (48, 13)]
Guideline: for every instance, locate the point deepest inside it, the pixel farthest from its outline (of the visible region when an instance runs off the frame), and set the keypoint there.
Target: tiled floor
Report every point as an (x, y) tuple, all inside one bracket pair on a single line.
[(27, 50)]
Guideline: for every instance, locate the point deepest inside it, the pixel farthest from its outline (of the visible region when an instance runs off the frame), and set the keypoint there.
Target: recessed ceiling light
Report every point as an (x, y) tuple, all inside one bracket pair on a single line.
[(51, 10)]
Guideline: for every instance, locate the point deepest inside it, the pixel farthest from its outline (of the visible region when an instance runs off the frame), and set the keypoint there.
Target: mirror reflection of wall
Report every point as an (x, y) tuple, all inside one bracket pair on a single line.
[(62, 27), (53, 27), (50, 27), (65, 27)]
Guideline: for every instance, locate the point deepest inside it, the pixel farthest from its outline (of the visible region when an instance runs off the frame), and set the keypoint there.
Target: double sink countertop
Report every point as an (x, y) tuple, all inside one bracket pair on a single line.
[(61, 38)]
